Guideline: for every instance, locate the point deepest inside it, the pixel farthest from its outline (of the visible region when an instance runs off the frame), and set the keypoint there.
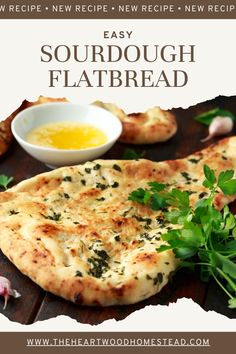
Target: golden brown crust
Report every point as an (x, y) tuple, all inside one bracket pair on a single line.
[(155, 125), (75, 233), (6, 136)]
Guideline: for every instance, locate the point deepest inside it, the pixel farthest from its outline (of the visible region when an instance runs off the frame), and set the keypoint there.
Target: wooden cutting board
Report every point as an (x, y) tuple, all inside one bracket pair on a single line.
[(36, 304)]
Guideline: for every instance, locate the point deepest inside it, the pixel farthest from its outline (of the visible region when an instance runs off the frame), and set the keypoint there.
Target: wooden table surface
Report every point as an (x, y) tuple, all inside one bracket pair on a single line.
[(36, 304)]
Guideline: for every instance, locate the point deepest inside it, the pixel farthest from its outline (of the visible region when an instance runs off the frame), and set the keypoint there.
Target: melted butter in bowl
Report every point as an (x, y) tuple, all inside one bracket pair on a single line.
[(63, 134), (67, 135)]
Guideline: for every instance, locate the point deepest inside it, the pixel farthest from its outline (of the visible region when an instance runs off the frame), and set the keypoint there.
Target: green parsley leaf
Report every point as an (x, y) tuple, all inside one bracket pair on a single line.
[(209, 174), (5, 181), (146, 197), (137, 196), (207, 117), (225, 176), (224, 263), (230, 221), (157, 202), (184, 252), (97, 167), (177, 216), (117, 168), (131, 154), (178, 198), (156, 187), (67, 179), (232, 303), (231, 246), (163, 248), (54, 216), (229, 187)]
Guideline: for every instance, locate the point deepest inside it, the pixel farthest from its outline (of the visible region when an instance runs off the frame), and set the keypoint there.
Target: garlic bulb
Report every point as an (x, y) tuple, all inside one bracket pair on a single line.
[(219, 126)]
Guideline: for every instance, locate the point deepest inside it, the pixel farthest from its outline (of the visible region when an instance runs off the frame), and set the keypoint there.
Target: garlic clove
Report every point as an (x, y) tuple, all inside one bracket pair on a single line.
[(208, 137), (219, 126), (6, 290)]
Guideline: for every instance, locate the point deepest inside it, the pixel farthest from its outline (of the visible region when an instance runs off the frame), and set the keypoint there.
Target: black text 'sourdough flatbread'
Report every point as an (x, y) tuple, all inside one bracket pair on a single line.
[(74, 232)]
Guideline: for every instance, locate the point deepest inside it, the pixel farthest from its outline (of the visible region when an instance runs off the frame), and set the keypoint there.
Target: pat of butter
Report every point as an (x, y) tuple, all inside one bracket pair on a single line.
[(67, 135)]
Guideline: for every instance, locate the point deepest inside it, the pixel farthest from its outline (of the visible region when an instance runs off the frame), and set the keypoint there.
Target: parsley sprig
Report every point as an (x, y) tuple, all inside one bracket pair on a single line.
[(203, 236)]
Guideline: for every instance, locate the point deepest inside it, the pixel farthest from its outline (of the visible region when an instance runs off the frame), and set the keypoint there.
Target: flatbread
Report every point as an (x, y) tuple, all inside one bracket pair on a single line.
[(74, 232), (153, 126)]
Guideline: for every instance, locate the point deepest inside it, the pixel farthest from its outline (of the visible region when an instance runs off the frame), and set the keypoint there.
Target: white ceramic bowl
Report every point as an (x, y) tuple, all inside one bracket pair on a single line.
[(35, 116)]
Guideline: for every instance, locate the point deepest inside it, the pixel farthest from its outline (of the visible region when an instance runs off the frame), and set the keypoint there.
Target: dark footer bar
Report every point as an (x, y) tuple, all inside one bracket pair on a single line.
[(131, 342)]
